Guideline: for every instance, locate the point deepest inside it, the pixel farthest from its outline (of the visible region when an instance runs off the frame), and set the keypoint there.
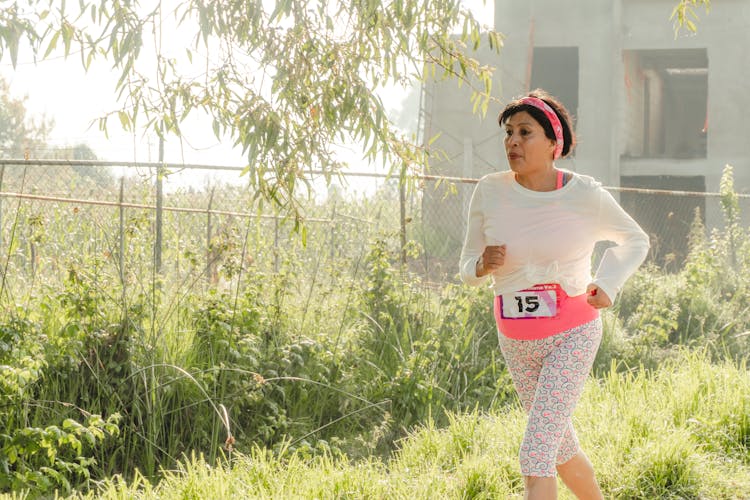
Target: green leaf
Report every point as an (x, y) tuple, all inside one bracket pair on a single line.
[(12, 42), (52, 44), (124, 120), (67, 36)]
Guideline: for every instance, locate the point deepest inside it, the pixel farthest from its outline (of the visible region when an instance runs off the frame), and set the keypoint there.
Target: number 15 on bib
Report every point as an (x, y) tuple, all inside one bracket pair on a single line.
[(540, 301)]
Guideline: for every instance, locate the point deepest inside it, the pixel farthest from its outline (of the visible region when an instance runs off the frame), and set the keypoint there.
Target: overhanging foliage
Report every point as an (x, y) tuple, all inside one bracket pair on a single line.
[(286, 81)]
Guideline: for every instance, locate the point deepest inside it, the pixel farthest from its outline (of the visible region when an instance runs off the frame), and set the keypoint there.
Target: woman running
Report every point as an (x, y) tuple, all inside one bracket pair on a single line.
[(532, 229)]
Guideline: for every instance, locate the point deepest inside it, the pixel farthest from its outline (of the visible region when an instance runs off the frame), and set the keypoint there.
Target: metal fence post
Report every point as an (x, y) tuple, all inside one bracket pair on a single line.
[(333, 231), (159, 207), (210, 259), (402, 205), (2, 175), (276, 244), (121, 257)]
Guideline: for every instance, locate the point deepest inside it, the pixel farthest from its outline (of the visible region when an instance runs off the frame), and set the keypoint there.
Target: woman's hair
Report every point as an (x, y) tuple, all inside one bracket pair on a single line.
[(516, 106)]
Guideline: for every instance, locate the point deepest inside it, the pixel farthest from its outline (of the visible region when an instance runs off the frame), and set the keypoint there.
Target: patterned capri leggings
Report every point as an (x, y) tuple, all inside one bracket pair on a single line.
[(549, 375)]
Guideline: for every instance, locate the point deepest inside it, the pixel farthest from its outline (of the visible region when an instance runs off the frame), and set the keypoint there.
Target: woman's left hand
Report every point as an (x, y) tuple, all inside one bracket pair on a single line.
[(596, 297)]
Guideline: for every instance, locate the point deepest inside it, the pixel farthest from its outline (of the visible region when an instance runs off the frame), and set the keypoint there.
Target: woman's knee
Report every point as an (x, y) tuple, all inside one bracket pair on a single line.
[(577, 466)]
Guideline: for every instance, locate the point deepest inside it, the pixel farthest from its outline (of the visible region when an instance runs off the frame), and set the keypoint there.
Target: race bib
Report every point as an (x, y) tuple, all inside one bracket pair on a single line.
[(539, 301)]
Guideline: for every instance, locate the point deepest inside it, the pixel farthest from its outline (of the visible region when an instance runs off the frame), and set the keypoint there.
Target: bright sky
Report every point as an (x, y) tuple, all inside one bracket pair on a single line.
[(60, 89)]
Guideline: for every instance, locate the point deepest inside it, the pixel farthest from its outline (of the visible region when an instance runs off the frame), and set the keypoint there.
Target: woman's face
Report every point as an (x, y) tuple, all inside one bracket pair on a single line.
[(527, 148)]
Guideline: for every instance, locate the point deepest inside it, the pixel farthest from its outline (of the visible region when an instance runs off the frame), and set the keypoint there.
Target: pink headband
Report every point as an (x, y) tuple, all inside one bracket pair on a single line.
[(553, 120)]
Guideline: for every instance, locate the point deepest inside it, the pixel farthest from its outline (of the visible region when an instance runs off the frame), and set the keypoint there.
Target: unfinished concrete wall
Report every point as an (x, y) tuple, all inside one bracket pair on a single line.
[(626, 124)]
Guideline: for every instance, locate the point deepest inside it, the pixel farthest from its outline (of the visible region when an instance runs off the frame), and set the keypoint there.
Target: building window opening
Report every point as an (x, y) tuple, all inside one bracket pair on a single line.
[(555, 69), (666, 104)]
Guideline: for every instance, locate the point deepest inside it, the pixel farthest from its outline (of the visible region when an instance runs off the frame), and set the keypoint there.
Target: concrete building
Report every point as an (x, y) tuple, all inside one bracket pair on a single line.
[(652, 109)]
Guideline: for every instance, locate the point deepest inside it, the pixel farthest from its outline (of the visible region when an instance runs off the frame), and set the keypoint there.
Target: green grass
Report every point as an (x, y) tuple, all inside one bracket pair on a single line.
[(681, 431), (337, 358)]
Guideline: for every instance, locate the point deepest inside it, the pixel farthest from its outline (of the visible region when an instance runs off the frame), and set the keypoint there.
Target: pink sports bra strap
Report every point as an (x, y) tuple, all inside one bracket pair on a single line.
[(560, 179)]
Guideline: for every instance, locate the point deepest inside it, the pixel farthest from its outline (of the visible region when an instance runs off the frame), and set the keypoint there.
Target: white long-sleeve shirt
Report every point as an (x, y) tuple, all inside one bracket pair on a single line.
[(550, 236)]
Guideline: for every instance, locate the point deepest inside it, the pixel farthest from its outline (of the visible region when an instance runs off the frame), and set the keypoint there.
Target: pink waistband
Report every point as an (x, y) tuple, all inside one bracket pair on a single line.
[(571, 312)]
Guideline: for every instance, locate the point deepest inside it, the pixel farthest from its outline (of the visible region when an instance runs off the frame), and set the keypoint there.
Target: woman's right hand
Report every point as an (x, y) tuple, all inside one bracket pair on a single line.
[(492, 258)]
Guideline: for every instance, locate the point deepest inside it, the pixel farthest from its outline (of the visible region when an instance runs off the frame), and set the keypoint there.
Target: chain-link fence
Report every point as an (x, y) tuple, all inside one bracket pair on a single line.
[(144, 220)]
